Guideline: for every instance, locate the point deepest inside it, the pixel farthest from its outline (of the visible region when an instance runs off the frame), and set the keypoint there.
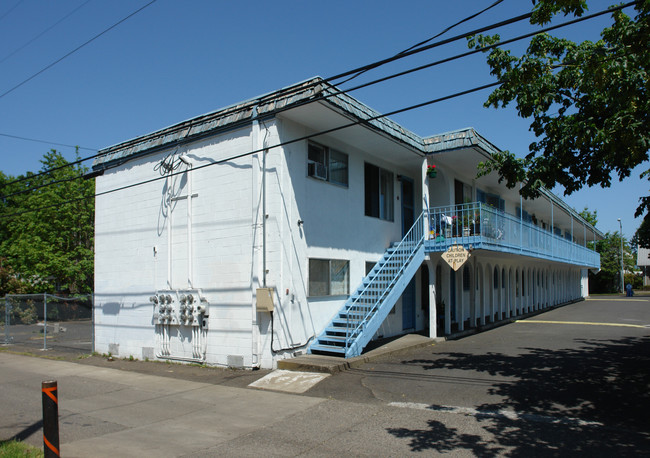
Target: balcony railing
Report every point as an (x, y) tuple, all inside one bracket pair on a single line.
[(485, 227)]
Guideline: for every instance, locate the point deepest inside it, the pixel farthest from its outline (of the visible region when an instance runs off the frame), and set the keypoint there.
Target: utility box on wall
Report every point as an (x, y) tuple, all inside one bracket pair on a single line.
[(265, 299)]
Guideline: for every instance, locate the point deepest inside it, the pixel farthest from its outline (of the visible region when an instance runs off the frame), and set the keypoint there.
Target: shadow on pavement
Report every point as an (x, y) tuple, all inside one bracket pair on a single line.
[(592, 400)]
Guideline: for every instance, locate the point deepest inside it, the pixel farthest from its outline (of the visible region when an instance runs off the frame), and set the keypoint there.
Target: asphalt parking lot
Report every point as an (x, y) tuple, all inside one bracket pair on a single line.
[(572, 381)]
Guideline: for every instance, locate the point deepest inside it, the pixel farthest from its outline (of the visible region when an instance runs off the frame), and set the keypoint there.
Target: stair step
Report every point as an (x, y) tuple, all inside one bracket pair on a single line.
[(327, 349), (332, 339), (352, 324), (344, 324), (336, 331)]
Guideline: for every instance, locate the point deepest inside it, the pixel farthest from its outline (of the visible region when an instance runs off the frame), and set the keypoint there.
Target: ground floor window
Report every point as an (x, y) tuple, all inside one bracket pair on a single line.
[(329, 277)]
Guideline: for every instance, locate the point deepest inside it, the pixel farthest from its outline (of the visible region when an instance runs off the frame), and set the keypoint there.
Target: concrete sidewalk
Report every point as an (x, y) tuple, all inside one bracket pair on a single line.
[(333, 364), (108, 412)]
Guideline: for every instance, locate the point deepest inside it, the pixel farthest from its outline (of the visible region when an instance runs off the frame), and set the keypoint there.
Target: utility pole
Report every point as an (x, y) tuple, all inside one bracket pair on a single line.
[(622, 274)]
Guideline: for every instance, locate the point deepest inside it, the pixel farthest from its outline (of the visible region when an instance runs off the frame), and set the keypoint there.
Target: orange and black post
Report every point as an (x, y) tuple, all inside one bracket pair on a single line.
[(50, 419)]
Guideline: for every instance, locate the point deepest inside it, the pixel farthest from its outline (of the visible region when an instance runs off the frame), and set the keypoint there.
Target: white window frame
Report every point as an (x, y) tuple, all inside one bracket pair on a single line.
[(330, 274), (330, 158)]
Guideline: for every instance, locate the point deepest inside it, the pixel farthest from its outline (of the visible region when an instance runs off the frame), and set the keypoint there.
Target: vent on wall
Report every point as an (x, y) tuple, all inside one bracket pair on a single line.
[(236, 361)]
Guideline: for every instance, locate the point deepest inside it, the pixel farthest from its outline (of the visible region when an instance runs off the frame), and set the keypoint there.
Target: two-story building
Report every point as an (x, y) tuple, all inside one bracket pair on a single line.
[(304, 221)]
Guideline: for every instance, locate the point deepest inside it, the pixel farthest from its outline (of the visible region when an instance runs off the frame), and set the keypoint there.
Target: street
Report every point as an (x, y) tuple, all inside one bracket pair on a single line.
[(572, 381)]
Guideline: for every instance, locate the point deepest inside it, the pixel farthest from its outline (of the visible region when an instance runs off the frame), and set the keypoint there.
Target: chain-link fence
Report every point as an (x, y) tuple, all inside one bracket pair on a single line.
[(47, 321)]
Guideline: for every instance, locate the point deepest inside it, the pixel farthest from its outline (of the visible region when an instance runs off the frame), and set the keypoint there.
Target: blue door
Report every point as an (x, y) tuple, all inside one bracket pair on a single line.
[(408, 216)]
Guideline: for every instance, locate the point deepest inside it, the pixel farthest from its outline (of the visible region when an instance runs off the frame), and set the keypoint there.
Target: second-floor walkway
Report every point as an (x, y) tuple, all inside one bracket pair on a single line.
[(480, 226)]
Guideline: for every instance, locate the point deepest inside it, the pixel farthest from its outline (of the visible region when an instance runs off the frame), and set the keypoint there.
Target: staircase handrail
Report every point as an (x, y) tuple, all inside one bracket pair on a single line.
[(416, 233)]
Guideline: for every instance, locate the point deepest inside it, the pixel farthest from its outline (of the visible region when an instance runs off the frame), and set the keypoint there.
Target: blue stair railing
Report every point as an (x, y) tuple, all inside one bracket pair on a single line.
[(365, 310)]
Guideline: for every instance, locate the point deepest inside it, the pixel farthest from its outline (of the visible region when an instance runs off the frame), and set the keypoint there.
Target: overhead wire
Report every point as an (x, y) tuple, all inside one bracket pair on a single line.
[(45, 172), (8, 12), (262, 150), (331, 79), (338, 91), (29, 42), (417, 45), (76, 49), (47, 142)]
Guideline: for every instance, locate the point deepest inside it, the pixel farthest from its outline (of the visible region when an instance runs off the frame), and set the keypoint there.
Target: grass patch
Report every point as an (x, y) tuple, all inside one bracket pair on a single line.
[(17, 449)]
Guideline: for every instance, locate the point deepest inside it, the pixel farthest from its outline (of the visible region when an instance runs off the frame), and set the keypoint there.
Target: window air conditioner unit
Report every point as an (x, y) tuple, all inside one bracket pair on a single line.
[(317, 170)]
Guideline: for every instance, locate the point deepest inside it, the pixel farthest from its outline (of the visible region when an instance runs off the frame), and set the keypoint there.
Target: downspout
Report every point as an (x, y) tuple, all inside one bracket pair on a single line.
[(169, 234), (190, 274), (264, 218), (255, 332)]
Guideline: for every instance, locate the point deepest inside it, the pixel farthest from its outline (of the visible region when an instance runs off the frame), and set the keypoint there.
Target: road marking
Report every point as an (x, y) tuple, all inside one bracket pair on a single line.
[(617, 300), (510, 415), (584, 323)]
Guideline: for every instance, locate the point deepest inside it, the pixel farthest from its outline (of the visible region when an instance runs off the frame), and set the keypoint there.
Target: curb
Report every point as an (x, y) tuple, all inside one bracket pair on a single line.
[(406, 343)]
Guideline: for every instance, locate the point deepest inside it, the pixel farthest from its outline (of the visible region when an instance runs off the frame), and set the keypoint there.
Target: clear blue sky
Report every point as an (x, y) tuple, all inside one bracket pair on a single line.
[(178, 59)]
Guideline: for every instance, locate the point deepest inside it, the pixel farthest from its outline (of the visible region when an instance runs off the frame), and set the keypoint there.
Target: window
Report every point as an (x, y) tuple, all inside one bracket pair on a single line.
[(525, 216), (327, 164), (379, 192), (462, 193), (493, 200), (329, 277)]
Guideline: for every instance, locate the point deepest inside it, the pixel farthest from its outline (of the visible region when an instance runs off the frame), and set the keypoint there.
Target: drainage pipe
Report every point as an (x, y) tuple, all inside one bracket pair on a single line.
[(190, 275)]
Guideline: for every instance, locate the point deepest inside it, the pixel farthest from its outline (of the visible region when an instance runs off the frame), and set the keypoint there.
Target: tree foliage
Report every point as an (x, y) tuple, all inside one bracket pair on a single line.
[(608, 280), (642, 235), (46, 233), (588, 102), (590, 216)]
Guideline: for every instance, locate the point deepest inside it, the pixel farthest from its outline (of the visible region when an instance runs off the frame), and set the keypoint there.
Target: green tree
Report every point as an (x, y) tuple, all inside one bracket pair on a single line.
[(46, 230), (588, 102), (642, 235), (590, 216), (608, 280)]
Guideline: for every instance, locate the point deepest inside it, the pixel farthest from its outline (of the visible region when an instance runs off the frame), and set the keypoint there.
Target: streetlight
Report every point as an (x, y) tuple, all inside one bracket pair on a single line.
[(622, 275)]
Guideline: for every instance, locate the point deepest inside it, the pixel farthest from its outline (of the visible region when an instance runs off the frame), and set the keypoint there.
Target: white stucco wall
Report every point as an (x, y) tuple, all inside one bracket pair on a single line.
[(133, 245)]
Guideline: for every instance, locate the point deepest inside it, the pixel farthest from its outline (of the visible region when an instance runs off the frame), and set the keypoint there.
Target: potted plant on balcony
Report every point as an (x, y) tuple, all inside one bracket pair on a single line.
[(431, 171)]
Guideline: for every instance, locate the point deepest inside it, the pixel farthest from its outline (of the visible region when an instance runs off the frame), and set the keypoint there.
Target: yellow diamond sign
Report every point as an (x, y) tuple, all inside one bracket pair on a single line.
[(455, 256)]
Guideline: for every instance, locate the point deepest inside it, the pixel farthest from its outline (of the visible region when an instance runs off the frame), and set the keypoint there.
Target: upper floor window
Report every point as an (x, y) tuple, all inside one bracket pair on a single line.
[(462, 193), (493, 200), (327, 164), (524, 215), (379, 192)]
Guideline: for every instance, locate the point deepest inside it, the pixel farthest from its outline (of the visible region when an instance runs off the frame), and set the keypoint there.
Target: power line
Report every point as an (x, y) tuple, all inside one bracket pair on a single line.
[(468, 18), (395, 75), (41, 186), (486, 48), (417, 45), (261, 150), (76, 49), (20, 48), (405, 53), (47, 142), (44, 172), (11, 9)]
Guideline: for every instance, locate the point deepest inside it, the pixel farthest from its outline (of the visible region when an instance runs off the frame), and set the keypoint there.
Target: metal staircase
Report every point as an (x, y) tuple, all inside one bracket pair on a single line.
[(365, 310)]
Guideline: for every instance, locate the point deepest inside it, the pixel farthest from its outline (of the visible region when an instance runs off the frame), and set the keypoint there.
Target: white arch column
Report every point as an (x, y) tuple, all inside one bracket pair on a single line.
[(433, 310)]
